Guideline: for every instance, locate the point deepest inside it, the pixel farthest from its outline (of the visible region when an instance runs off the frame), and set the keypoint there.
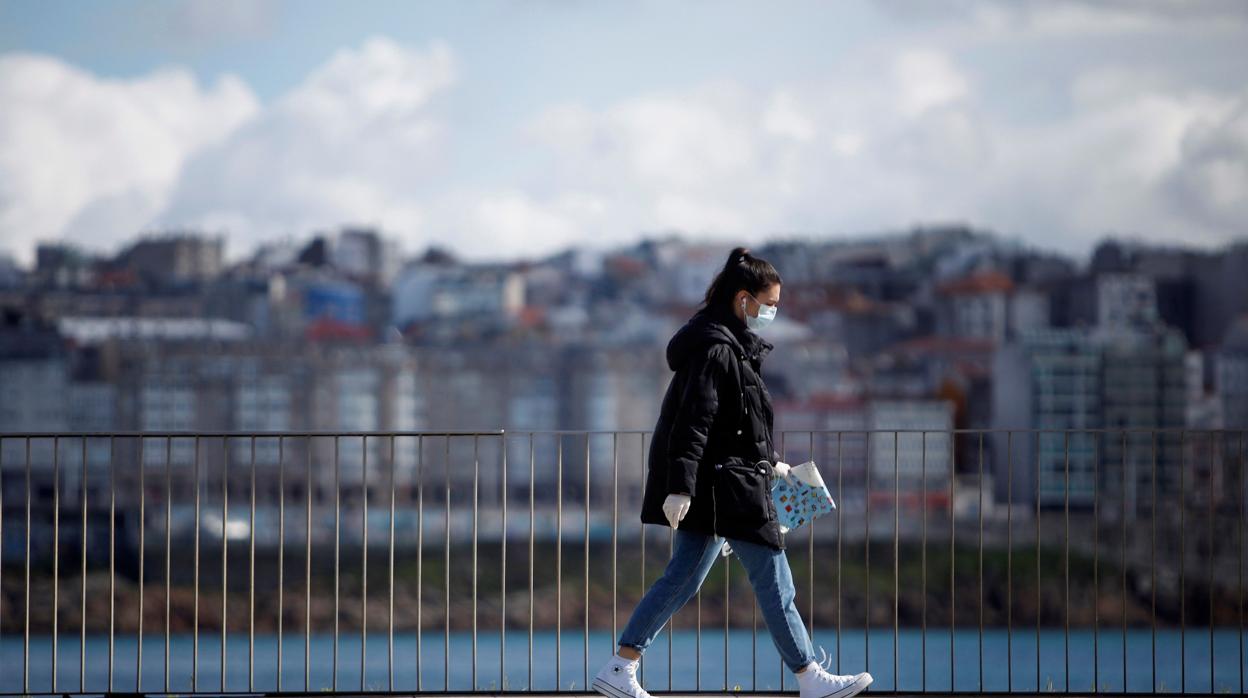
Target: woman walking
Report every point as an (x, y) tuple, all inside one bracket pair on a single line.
[(708, 477)]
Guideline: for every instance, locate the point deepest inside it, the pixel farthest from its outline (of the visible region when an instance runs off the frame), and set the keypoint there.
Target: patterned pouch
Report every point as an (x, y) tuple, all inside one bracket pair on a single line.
[(800, 497)]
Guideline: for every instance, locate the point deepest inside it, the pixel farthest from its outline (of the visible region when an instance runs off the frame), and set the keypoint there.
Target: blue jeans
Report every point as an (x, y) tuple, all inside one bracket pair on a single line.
[(693, 554)]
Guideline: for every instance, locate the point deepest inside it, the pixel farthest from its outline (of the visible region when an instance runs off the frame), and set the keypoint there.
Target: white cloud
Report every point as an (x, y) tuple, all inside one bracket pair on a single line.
[(93, 159), (786, 117), (1210, 180), (723, 160), (927, 78), (510, 223), (1136, 154), (898, 133), (357, 141)]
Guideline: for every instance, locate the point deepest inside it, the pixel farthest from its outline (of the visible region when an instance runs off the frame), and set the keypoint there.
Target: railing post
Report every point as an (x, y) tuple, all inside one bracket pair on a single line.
[(195, 574), (364, 562)]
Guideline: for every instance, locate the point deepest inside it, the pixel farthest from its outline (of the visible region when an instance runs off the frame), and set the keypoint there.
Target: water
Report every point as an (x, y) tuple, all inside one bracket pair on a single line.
[(765, 672)]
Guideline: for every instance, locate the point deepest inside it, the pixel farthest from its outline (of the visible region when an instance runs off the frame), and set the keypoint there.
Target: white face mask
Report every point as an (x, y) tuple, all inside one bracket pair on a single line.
[(766, 313)]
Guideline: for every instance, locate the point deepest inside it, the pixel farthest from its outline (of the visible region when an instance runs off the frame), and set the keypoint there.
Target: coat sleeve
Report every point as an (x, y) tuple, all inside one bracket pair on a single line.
[(692, 425)]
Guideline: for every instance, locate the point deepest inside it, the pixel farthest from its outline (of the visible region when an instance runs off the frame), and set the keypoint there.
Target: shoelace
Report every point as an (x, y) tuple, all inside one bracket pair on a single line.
[(826, 663)]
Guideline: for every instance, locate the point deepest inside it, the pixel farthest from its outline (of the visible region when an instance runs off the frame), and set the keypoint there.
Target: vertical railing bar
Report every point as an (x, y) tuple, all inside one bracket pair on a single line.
[(1212, 435), (82, 638), (1239, 568), (390, 582), (585, 642), (558, 560), (363, 562), (476, 470), (1066, 564), (840, 471), (866, 635), (615, 524), (1096, 565), (896, 561), (112, 553), (953, 557), (781, 669), (1039, 609), (532, 514), (1096, 560), (138, 673), (307, 562), (1153, 566), (84, 576), (1123, 562), (1009, 561), (1182, 565), (981, 560), (195, 580), (2, 529), (1122, 515), (251, 574), (225, 543), (697, 652), (26, 626), (641, 670), (671, 544), (168, 546), (281, 551), (56, 553), (337, 545), (923, 560), (420, 557), (727, 613), (502, 614), (446, 567), (810, 554), (753, 649)]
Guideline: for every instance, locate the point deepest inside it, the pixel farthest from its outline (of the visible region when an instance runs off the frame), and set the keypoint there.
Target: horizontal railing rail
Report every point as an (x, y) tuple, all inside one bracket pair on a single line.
[(958, 561)]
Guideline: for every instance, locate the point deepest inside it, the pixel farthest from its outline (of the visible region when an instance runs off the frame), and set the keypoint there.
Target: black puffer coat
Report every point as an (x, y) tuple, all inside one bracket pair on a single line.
[(715, 426)]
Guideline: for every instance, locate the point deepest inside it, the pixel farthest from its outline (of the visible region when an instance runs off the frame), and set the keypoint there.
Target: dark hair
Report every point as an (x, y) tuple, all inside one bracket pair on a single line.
[(742, 271)]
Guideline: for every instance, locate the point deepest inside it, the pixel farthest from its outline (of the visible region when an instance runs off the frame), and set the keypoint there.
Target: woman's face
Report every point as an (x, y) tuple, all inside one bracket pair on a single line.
[(745, 303)]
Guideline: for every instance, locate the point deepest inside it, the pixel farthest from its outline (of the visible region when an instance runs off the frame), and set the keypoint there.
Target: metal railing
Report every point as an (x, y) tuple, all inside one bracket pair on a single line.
[(965, 561)]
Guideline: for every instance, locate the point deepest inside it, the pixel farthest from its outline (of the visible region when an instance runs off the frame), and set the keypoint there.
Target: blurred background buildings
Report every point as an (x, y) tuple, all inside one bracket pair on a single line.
[(931, 329)]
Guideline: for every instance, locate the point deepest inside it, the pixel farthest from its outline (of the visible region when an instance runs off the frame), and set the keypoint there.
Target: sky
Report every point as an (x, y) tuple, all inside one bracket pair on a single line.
[(506, 129)]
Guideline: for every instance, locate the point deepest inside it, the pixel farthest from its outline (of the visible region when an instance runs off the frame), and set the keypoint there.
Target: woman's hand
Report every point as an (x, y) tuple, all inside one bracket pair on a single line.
[(675, 507), (781, 469)]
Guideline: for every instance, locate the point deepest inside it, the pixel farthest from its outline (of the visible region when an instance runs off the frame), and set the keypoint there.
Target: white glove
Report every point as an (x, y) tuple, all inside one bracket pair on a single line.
[(675, 507), (780, 469)]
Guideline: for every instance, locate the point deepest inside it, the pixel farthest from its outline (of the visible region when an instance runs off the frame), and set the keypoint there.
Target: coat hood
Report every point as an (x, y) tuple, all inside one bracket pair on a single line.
[(714, 326)]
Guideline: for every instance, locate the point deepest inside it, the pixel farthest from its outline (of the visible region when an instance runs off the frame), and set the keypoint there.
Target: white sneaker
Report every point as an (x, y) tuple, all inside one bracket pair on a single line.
[(816, 682), (618, 679)]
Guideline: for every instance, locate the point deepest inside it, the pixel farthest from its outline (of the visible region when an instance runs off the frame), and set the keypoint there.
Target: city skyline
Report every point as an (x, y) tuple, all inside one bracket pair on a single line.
[(523, 128)]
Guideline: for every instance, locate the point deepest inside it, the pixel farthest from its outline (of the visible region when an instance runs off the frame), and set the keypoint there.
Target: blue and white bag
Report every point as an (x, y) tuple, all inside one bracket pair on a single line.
[(800, 497)]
